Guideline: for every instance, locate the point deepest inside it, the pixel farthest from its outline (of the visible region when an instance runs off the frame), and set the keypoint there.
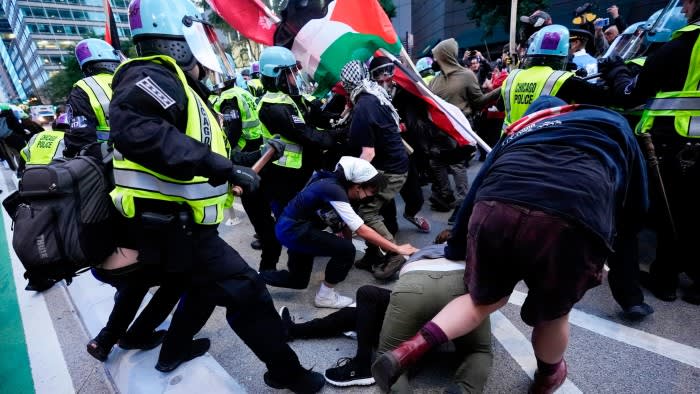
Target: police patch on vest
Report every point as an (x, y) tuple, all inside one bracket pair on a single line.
[(155, 91), (297, 119), (78, 122), (524, 92)]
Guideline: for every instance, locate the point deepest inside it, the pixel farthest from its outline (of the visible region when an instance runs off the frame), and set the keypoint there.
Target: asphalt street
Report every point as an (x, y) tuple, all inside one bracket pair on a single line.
[(606, 353)]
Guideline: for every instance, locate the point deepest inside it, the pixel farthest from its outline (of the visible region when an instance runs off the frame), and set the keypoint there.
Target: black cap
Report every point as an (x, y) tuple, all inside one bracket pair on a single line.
[(378, 61), (580, 34)]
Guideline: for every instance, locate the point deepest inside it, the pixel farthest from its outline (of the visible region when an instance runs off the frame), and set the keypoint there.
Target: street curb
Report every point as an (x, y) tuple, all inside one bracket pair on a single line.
[(133, 371)]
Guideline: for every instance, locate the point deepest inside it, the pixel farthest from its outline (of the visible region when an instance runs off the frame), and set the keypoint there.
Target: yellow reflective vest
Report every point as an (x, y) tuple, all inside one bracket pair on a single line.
[(133, 180), (522, 87), (684, 106), (252, 128), (256, 87), (99, 90), (292, 151), (43, 148)]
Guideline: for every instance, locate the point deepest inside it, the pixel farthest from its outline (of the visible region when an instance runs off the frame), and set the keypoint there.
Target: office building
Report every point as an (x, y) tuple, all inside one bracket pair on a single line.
[(45, 32)]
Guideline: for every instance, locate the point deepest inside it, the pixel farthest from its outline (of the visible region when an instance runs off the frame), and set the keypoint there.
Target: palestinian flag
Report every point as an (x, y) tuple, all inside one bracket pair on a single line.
[(444, 115), (250, 17), (111, 32), (349, 30)]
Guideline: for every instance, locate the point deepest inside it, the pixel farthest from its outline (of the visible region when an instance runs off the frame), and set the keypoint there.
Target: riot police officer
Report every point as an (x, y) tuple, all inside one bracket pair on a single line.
[(675, 135), (88, 103), (172, 172), (544, 75)]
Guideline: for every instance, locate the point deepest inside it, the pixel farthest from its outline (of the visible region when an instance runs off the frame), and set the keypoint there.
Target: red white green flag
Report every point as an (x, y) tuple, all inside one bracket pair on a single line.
[(351, 29)]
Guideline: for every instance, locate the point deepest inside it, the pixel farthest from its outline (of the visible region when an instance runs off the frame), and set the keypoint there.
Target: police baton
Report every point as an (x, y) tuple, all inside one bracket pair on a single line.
[(264, 159), (653, 163)]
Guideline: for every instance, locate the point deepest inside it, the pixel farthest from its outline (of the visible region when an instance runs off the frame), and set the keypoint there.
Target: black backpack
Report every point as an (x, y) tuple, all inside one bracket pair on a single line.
[(62, 218)]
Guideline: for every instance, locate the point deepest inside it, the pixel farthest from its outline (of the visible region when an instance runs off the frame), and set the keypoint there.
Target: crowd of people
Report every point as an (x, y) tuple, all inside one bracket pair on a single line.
[(566, 189)]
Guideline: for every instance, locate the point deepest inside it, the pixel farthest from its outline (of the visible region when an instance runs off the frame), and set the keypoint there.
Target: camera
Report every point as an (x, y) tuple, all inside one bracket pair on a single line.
[(602, 22)]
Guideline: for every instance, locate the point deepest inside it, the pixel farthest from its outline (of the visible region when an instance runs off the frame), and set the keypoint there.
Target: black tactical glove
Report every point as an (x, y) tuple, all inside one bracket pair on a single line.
[(275, 143), (610, 67), (244, 177)]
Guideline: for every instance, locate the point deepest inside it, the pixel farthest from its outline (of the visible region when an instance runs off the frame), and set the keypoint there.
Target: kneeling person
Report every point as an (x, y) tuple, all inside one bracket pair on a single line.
[(325, 201)]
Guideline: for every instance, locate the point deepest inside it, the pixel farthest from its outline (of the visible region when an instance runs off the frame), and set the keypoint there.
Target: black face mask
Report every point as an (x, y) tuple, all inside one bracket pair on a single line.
[(435, 66)]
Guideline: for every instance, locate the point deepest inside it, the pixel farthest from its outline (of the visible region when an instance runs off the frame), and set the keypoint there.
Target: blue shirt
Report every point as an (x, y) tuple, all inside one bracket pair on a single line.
[(323, 202)]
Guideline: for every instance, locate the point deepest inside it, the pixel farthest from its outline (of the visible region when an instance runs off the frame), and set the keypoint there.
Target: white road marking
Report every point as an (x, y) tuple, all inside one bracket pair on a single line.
[(49, 369), (631, 336), (520, 349)]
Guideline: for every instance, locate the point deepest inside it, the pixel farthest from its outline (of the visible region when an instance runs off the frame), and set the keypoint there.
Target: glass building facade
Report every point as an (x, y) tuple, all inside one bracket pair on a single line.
[(43, 34)]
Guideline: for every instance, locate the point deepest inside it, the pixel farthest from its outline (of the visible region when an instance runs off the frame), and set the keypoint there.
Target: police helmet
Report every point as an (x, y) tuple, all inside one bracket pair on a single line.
[(255, 69), (424, 64), (94, 54), (552, 40), (274, 64), (157, 29), (660, 31)]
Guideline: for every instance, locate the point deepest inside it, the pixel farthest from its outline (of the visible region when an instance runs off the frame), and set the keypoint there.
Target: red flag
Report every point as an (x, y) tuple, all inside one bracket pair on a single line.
[(111, 32), (250, 17), (445, 116)]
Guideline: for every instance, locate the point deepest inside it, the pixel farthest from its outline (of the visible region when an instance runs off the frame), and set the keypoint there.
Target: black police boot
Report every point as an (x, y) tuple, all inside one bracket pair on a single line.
[(692, 294), (307, 382), (100, 346), (168, 363), (142, 342), (659, 290)]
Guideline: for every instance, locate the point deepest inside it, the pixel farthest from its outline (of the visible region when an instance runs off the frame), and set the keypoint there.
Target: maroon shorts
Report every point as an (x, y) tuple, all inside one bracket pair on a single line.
[(558, 260)]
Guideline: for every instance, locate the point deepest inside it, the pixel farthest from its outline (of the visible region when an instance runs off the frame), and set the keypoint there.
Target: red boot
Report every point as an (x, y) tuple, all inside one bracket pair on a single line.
[(549, 384), (390, 365)]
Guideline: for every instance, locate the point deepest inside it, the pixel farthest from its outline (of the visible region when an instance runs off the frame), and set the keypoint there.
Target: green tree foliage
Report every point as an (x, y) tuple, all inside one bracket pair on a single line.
[(490, 13), (389, 7), (59, 86)]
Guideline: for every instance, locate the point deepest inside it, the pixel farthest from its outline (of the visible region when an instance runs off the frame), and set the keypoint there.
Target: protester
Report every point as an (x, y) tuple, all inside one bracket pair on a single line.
[(384, 318), (375, 136), (459, 87), (588, 165)]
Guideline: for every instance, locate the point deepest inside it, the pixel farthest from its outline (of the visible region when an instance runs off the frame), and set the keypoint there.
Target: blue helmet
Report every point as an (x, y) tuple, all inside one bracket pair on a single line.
[(162, 18), (157, 29), (552, 40), (424, 64), (670, 22), (274, 59), (93, 50)]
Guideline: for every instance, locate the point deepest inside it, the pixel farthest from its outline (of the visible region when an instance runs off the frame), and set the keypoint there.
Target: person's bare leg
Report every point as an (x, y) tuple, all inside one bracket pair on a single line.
[(550, 339), (462, 315)]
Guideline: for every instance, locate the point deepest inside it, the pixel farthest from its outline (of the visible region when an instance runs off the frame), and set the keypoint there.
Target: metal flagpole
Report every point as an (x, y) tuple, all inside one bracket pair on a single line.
[(513, 20)]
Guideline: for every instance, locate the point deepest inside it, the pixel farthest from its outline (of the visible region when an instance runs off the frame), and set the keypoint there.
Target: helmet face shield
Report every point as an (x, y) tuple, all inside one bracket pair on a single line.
[(206, 48), (294, 81), (631, 43)]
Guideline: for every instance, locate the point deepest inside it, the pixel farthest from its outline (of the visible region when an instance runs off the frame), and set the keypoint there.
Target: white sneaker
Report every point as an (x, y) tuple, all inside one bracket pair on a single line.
[(334, 300)]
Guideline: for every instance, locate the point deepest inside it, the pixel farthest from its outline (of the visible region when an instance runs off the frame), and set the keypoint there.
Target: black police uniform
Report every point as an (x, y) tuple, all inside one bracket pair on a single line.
[(281, 184), (665, 70), (83, 125), (148, 127)]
